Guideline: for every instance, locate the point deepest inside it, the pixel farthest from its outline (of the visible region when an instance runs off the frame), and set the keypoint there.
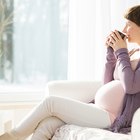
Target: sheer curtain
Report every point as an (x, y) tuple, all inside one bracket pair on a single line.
[(90, 21), (40, 41)]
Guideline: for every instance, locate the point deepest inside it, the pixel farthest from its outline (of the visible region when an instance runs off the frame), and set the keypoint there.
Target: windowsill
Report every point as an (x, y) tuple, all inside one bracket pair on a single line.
[(15, 96)]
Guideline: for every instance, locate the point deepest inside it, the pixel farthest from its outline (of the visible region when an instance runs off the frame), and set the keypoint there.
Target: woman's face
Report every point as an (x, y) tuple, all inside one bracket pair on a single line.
[(132, 30)]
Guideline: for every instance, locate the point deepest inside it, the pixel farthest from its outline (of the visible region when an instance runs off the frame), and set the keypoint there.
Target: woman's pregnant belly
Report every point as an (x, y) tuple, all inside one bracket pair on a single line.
[(110, 97)]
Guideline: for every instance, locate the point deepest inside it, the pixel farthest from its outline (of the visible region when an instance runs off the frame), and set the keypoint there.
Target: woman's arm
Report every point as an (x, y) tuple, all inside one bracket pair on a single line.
[(130, 78), (109, 65)]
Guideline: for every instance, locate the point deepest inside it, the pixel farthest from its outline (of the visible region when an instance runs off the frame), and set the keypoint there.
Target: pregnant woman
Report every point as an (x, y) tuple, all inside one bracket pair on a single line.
[(115, 102)]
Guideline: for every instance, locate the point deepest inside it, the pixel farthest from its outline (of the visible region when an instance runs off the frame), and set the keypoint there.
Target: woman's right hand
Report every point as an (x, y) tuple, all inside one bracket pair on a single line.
[(115, 41), (107, 43)]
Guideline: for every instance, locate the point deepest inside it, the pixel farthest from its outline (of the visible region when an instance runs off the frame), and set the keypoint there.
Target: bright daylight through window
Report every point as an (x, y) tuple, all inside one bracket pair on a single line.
[(33, 41)]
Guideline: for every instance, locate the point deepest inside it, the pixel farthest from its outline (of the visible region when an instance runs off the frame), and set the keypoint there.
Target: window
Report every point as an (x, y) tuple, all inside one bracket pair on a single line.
[(6, 31), (35, 42)]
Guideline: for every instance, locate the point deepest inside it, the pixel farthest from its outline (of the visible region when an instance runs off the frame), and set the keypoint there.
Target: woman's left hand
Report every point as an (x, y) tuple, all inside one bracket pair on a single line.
[(116, 42)]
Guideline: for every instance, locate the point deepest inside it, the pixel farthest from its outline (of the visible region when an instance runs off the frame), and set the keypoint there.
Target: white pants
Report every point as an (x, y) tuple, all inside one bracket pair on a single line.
[(57, 111)]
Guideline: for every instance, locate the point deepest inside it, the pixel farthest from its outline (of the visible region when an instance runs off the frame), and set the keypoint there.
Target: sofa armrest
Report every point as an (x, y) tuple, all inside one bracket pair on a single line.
[(80, 90), (136, 125)]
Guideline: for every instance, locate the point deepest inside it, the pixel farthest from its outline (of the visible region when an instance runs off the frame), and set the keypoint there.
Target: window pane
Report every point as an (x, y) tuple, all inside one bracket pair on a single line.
[(40, 41)]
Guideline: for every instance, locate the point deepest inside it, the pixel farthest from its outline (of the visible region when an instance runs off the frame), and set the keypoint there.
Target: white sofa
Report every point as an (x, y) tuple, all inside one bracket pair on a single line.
[(85, 91)]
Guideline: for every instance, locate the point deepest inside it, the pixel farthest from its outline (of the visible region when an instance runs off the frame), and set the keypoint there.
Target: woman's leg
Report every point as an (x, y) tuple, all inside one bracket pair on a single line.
[(68, 110), (46, 128)]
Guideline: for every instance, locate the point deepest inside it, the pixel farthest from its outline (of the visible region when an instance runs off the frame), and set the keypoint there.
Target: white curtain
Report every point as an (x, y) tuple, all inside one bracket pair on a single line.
[(40, 41), (90, 21)]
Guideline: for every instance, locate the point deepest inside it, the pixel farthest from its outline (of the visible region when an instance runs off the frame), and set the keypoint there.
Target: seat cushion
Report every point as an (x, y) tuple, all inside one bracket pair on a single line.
[(73, 132)]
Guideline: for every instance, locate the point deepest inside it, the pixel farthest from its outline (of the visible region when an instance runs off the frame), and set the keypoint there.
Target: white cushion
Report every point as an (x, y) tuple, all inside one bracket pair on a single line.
[(136, 126)]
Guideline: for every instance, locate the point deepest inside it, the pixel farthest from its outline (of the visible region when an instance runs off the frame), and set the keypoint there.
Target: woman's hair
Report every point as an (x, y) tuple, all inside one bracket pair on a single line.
[(133, 14)]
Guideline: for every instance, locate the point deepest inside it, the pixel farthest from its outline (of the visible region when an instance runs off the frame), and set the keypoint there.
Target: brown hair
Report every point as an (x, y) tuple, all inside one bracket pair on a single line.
[(133, 14)]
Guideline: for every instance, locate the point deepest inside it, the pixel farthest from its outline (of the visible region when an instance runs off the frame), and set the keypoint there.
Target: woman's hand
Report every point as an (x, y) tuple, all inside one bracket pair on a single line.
[(115, 41)]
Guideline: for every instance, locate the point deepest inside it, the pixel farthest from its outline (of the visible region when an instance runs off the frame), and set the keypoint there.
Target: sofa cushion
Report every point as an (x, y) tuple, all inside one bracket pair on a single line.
[(73, 132)]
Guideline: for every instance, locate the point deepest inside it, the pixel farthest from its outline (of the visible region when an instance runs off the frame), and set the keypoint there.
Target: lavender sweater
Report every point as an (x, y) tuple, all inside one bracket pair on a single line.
[(131, 82)]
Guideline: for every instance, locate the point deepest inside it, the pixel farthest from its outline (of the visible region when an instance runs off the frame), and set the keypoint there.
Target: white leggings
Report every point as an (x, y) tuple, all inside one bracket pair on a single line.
[(56, 111)]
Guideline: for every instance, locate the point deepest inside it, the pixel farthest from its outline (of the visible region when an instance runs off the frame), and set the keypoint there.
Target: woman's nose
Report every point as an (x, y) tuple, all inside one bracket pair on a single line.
[(124, 30)]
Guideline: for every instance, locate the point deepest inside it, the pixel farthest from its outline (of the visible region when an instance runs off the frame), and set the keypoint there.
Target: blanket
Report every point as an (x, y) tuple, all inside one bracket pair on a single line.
[(73, 132)]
